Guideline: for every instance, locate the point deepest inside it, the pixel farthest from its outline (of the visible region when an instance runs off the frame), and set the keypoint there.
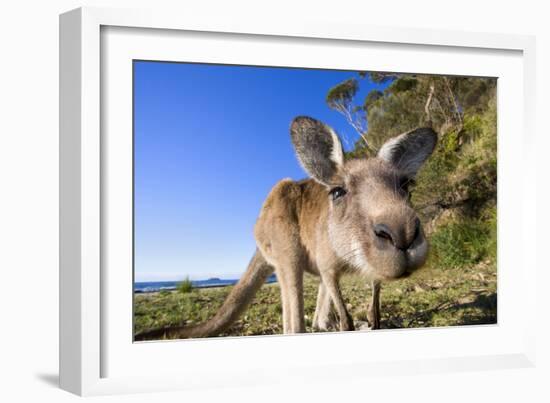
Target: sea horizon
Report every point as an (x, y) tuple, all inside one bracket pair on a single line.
[(155, 286)]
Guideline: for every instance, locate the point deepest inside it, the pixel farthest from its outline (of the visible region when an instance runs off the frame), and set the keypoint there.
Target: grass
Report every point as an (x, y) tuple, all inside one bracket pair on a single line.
[(432, 297), (461, 243), (185, 286)]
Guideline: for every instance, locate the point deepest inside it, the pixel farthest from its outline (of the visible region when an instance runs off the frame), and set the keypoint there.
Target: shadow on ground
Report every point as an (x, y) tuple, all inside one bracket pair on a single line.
[(49, 379)]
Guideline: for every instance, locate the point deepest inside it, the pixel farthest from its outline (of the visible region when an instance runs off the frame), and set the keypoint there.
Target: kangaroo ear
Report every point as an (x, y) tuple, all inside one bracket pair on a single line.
[(408, 151), (318, 148)]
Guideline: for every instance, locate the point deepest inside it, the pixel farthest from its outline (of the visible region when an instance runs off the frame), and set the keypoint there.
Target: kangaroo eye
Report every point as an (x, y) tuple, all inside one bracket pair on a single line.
[(337, 192)]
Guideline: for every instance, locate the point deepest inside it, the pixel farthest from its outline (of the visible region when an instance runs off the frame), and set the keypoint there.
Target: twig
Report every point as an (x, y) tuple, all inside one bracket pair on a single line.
[(428, 102)]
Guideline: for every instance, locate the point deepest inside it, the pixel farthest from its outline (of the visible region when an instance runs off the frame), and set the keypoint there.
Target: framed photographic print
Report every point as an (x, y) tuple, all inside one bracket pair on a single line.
[(241, 193)]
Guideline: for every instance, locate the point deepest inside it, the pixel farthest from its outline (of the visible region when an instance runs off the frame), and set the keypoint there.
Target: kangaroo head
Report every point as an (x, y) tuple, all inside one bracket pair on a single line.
[(371, 224)]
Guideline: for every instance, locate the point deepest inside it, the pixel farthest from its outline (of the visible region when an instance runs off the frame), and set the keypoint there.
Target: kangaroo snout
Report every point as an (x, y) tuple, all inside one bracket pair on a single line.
[(401, 237), (399, 246)]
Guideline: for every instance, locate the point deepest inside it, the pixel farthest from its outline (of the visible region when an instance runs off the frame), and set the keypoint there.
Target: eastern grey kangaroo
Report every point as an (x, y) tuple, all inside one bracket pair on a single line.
[(350, 216)]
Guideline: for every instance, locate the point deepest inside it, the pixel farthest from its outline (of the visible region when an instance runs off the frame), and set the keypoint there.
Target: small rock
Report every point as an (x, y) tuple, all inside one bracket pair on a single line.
[(418, 288), (362, 325)]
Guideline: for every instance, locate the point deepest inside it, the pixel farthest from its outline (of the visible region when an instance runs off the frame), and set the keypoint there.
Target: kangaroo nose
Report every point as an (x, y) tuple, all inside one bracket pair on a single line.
[(402, 239), (383, 231)]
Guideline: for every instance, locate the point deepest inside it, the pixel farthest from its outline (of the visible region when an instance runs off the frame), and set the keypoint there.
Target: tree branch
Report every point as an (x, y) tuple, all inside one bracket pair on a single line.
[(359, 128), (453, 99), (428, 102)]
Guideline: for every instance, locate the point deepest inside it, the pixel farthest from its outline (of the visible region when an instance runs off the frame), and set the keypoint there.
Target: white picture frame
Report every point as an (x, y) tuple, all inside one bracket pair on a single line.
[(90, 343)]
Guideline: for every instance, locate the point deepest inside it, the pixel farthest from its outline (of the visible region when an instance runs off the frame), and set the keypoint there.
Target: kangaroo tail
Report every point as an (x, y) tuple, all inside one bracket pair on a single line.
[(234, 305)]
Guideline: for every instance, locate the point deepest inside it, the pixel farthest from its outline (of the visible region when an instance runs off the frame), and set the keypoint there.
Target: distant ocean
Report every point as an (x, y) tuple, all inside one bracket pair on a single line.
[(154, 286)]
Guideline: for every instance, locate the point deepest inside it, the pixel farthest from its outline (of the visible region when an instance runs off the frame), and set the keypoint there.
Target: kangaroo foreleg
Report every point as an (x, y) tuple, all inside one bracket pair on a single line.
[(373, 312), (324, 318), (331, 282), (292, 298)]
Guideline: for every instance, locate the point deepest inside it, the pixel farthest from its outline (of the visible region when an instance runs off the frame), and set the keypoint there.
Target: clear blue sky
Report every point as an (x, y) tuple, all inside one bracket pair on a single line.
[(210, 142)]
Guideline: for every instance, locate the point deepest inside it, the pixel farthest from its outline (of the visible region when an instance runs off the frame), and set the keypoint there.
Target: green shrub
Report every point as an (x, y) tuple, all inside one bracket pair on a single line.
[(463, 243), (434, 182), (491, 221), (473, 126), (185, 286)]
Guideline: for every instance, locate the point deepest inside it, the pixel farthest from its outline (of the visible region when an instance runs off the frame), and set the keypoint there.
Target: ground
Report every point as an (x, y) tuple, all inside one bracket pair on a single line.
[(431, 297)]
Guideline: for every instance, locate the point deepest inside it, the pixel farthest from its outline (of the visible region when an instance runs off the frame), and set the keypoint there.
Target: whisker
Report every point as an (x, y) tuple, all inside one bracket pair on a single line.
[(345, 260)]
